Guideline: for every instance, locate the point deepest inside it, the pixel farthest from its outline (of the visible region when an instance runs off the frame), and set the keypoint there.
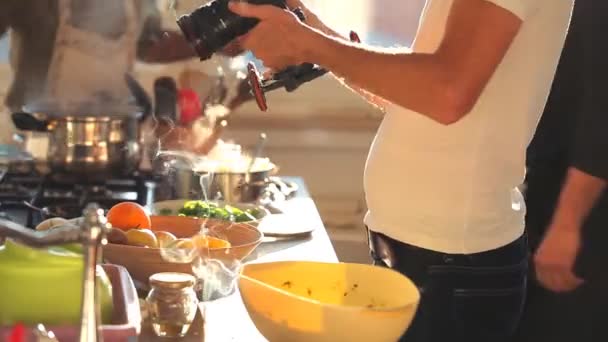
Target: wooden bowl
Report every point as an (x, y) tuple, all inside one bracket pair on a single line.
[(142, 262)]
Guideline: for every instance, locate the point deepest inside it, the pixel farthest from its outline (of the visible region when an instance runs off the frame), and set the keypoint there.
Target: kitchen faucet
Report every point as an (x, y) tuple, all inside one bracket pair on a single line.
[(92, 234)]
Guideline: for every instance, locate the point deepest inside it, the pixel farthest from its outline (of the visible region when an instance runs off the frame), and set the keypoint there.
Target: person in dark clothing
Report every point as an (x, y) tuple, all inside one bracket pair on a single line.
[(567, 201)]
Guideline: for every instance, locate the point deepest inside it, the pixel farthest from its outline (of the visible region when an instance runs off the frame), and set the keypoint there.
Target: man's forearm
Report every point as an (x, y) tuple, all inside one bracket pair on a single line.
[(375, 100), (419, 82), (443, 84), (313, 21), (578, 197)]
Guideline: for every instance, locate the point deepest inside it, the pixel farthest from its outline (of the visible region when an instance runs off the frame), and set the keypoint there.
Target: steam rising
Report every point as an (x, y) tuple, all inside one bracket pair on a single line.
[(216, 278)]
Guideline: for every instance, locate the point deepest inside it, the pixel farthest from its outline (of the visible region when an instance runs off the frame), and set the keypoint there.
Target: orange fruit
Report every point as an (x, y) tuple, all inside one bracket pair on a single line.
[(142, 238), (128, 215), (218, 243)]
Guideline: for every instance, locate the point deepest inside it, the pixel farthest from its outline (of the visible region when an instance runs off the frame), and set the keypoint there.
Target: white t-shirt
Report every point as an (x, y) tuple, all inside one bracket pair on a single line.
[(453, 188)]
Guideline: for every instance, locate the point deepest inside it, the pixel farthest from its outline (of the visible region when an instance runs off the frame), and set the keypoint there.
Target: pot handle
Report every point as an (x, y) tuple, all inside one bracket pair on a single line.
[(205, 183), (28, 122), (142, 98)]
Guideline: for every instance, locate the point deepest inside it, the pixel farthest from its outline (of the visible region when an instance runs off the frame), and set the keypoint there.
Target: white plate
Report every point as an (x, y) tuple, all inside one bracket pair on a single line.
[(175, 205), (284, 225)]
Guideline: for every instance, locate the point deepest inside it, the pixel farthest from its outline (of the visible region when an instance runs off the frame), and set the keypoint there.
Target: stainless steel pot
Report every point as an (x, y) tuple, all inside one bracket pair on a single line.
[(94, 144), (177, 180), (89, 144), (181, 181), (237, 187)]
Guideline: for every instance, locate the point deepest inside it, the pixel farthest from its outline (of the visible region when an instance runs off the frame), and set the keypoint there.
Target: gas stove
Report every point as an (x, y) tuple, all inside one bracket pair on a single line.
[(29, 198)]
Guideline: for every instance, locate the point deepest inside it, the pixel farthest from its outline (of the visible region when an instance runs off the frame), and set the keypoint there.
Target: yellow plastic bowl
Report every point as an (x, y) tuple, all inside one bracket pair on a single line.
[(311, 301)]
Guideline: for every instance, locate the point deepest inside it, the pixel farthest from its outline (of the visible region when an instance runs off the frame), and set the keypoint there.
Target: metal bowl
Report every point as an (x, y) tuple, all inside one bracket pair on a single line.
[(237, 187), (182, 180)]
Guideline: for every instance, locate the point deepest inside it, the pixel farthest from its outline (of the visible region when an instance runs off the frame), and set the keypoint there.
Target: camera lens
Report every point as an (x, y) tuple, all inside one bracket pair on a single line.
[(212, 26)]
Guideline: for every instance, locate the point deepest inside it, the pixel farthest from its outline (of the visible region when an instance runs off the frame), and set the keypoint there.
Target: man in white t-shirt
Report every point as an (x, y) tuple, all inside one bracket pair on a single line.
[(442, 175)]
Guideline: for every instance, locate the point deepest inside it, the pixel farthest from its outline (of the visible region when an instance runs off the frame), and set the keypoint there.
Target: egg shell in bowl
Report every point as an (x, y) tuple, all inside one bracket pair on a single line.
[(142, 262), (311, 301)]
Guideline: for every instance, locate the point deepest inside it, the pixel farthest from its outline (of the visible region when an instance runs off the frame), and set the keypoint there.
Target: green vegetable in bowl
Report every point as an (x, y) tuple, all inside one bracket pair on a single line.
[(204, 209)]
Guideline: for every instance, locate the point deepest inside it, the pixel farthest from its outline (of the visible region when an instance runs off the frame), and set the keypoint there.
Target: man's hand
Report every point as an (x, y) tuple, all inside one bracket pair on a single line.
[(279, 39), (555, 259)]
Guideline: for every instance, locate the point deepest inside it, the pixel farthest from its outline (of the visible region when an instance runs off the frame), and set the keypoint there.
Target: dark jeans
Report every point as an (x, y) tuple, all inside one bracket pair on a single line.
[(470, 298)]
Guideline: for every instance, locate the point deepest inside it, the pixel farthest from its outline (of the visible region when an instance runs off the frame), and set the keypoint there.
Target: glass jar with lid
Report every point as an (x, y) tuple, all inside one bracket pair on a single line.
[(172, 303)]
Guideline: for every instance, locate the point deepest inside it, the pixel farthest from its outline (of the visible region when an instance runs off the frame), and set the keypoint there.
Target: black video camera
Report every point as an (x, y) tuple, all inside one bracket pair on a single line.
[(212, 26)]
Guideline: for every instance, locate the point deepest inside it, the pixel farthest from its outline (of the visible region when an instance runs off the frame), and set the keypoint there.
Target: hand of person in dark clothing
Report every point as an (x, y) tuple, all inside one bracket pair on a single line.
[(558, 252), (555, 259)]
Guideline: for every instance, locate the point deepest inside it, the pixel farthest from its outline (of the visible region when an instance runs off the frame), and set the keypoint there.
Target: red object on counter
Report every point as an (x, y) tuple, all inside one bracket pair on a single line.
[(190, 106), (17, 333)]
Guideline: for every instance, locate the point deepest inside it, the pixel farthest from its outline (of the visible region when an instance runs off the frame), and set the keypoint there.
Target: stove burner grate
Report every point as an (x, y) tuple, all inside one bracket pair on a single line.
[(30, 199)]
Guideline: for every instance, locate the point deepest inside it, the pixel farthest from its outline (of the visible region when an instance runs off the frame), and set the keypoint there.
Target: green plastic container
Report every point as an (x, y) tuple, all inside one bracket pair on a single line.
[(45, 286)]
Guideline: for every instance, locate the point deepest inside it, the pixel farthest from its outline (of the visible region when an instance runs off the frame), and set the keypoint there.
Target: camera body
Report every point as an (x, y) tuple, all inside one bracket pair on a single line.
[(212, 26)]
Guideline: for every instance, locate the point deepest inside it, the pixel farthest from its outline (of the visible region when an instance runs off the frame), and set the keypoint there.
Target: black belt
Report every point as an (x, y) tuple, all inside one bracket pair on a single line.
[(381, 248), (389, 250)]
